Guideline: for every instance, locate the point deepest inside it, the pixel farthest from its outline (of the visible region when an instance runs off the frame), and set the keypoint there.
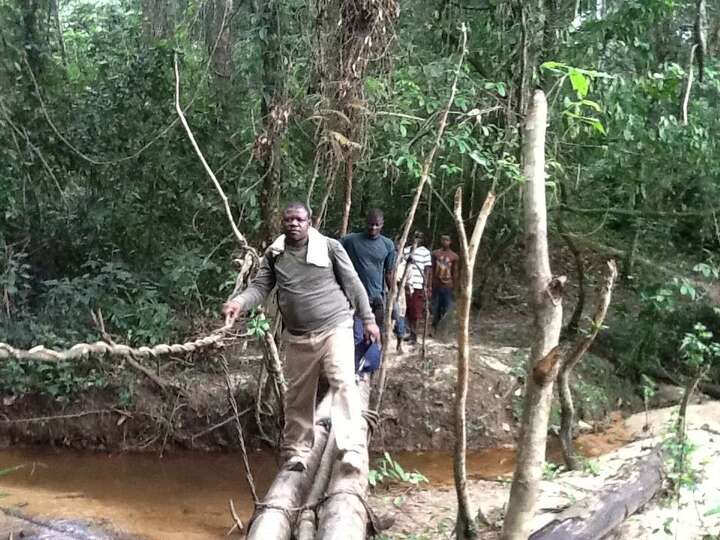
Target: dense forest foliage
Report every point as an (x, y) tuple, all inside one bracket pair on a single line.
[(105, 206)]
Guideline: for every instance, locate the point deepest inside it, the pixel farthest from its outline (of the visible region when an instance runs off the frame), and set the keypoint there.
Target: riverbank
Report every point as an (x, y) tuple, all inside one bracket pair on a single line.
[(416, 415), (429, 513)]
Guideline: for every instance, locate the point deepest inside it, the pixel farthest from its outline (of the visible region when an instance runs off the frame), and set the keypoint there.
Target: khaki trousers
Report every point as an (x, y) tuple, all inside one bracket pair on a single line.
[(331, 352)]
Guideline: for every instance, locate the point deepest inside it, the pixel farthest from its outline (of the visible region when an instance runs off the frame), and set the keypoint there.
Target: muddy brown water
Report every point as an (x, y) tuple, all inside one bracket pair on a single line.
[(186, 495)]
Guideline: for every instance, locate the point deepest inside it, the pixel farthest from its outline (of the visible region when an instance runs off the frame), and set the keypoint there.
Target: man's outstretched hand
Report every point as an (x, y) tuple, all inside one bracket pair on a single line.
[(232, 310), (372, 332)]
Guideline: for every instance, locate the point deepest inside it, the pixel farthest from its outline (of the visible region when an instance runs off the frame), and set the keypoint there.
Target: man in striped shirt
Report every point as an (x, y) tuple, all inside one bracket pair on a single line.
[(419, 260)]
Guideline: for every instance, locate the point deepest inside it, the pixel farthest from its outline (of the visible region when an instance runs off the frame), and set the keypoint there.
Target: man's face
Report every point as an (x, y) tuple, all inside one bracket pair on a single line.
[(445, 242), (374, 226), (295, 224)]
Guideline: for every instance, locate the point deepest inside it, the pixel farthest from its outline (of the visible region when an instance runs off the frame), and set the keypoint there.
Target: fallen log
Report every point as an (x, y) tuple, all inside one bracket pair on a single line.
[(343, 515), (307, 520), (597, 515), (275, 515)]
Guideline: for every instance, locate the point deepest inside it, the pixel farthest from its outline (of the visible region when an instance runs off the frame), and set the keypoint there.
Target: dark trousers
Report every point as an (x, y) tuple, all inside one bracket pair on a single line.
[(442, 299)]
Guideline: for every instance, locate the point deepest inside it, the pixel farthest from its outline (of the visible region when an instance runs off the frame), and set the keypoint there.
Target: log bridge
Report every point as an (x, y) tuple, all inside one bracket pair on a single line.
[(323, 502)]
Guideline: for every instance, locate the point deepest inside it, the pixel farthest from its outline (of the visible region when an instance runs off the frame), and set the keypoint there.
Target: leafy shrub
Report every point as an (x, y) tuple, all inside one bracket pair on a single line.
[(390, 471)]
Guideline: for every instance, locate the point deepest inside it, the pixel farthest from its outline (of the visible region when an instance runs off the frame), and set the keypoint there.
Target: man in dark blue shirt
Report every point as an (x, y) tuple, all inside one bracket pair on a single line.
[(373, 256)]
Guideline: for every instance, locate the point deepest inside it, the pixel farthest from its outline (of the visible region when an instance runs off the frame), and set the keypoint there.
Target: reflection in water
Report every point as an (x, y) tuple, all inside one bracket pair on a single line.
[(186, 495)]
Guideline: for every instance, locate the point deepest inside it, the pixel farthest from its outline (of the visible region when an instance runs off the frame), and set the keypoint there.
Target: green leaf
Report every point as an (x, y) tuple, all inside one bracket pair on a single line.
[(580, 83), (594, 104), (8, 470), (478, 158), (598, 126), (552, 65)]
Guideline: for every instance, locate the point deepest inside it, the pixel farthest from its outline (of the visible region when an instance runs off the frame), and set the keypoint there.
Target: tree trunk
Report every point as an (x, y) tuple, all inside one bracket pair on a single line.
[(546, 302), (466, 526), (289, 489), (219, 45), (532, 25), (31, 38), (348, 196), (58, 28), (275, 112), (598, 515), (577, 351), (631, 254), (156, 19), (567, 421), (572, 326), (343, 515)]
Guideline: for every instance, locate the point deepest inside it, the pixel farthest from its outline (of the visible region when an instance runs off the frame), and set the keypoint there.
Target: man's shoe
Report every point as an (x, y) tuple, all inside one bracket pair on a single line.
[(352, 462), (295, 464)]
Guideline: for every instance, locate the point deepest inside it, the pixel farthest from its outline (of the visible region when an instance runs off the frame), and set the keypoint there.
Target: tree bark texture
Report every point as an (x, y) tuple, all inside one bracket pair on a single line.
[(343, 515), (289, 489), (58, 28), (219, 45), (532, 24), (275, 110), (598, 515), (572, 326), (348, 196), (466, 526), (546, 302), (157, 19), (31, 36), (577, 351)]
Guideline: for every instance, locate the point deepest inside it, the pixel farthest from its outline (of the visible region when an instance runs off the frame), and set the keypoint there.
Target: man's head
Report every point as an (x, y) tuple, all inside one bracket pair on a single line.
[(375, 222), (296, 222), (419, 238), (445, 241)]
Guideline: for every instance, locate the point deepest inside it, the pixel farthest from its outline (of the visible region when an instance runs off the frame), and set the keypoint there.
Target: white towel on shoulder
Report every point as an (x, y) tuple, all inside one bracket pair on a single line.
[(317, 248)]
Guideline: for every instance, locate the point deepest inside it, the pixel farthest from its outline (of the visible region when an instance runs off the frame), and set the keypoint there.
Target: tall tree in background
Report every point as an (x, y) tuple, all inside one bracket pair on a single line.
[(349, 35), (157, 19), (275, 110), (219, 44)]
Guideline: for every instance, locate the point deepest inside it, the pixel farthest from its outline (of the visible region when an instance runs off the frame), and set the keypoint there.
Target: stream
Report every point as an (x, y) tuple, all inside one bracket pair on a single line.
[(183, 495)]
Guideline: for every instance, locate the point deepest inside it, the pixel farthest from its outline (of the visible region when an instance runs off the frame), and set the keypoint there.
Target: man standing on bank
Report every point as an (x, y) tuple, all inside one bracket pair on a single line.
[(419, 260), (318, 289), (444, 268)]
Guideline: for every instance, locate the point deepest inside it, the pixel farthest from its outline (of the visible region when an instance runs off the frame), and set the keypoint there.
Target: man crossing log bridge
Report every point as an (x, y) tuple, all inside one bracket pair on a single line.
[(318, 288)]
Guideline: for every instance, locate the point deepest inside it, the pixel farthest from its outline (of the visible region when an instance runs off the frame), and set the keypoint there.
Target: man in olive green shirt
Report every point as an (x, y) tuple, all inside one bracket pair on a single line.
[(318, 290)]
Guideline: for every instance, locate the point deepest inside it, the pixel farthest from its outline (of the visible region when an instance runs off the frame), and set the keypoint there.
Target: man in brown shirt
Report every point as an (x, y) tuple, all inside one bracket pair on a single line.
[(318, 289), (444, 264)]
